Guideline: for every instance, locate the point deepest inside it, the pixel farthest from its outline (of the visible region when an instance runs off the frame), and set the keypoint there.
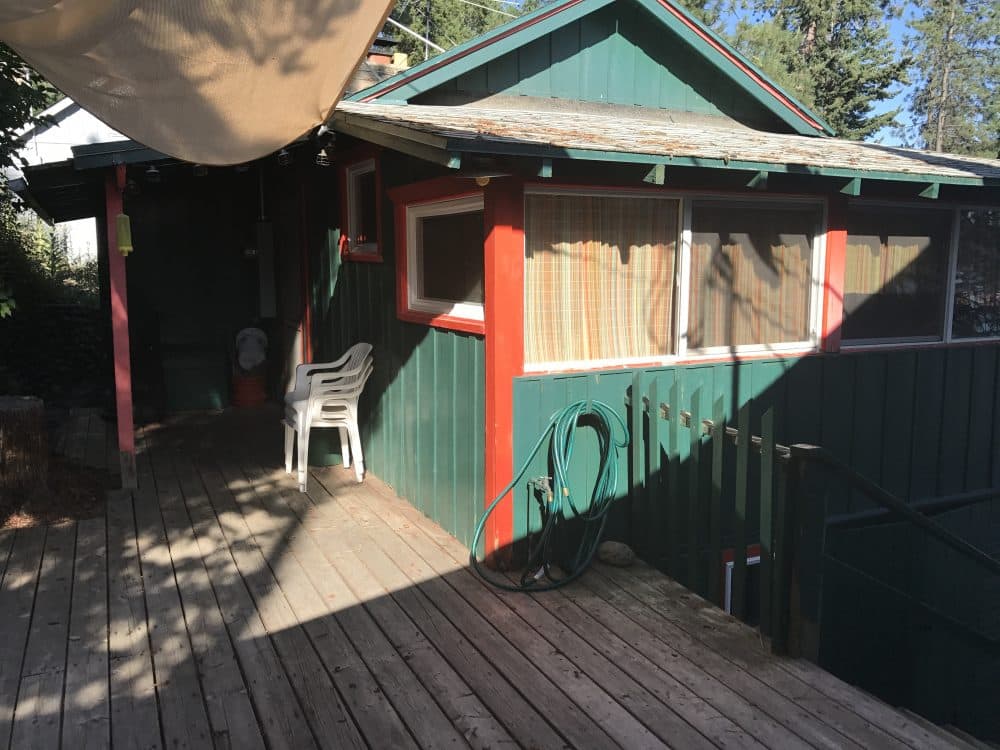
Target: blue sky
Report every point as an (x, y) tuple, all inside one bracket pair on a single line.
[(897, 30)]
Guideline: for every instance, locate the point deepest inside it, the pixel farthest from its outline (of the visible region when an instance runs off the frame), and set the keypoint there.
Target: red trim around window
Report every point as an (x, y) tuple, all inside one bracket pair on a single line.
[(833, 278), (347, 160), (428, 191), (503, 268)]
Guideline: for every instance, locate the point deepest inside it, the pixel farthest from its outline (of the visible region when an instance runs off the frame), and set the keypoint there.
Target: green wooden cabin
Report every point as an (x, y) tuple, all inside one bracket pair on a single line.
[(601, 200)]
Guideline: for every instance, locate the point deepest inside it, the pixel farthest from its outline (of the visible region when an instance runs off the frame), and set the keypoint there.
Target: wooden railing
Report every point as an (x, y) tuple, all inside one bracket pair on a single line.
[(703, 489)]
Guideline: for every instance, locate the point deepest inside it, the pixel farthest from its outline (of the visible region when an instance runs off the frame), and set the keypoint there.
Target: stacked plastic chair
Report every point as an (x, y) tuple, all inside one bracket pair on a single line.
[(326, 395)]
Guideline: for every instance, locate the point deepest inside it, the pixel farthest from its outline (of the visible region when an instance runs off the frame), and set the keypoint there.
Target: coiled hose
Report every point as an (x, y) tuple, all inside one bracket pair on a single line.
[(562, 427)]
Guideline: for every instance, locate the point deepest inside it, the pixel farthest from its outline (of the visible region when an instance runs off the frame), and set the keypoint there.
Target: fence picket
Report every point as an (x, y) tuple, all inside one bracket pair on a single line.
[(636, 495), (766, 516), (715, 509), (654, 527), (694, 492), (740, 521), (673, 485)]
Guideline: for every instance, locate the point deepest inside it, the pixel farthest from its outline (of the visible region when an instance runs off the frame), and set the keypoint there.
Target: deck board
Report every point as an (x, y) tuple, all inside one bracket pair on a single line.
[(17, 602), (86, 712), (39, 699), (216, 606), (593, 700), (653, 698), (135, 718)]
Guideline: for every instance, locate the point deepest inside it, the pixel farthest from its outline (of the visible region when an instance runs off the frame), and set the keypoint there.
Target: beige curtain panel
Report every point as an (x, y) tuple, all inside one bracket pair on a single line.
[(209, 81)]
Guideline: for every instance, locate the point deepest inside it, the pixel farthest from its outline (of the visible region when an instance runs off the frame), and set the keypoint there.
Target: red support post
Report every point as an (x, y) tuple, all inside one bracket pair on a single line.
[(836, 264), (504, 322), (114, 185)]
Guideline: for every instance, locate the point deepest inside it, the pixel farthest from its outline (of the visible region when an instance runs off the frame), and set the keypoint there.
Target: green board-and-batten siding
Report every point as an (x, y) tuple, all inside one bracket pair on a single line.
[(619, 54), (922, 422), (423, 410)]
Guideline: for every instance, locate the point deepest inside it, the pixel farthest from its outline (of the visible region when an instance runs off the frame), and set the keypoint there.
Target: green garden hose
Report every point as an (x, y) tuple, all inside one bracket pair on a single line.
[(554, 509)]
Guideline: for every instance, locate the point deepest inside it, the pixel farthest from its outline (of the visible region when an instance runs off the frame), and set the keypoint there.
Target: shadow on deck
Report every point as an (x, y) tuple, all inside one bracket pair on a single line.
[(218, 606)]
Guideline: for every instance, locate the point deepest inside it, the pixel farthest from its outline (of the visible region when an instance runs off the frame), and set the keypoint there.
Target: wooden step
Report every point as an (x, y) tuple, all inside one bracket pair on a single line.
[(936, 730), (966, 737)]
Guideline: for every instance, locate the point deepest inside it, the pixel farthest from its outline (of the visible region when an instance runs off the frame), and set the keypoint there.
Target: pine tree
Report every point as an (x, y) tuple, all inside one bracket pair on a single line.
[(449, 23), (834, 55), (955, 105)]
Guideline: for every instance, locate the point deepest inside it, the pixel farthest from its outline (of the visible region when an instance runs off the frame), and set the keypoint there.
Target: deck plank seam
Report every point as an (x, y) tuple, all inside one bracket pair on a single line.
[(345, 704), (190, 470), (352, 644), (638, 687), (836, 694), (848, 712), (148, 471), (69, 620), (694, 665), (493, 659), (231, 549), (27, 634), (426, 605), (188, 528), (722, 654), (378, 626), (145, 609)]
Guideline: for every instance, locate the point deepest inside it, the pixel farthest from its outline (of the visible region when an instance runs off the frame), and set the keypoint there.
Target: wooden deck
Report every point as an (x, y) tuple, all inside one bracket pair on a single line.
[(217, 606)]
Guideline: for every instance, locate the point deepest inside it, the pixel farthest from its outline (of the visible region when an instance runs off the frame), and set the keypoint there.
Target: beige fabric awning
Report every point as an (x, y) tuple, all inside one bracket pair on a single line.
[(208, 81)]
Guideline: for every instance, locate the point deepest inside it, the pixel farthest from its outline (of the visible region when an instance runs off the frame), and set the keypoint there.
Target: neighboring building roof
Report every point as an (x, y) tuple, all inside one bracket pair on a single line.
[(551, 17), (451, 131)]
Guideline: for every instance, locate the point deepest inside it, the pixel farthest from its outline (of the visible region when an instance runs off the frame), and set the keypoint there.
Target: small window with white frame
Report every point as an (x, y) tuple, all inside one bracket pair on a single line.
[(444, 262), (362, 214)]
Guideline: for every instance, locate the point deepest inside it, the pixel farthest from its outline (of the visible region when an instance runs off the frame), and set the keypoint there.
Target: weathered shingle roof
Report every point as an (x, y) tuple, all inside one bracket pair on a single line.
[(633, 139)]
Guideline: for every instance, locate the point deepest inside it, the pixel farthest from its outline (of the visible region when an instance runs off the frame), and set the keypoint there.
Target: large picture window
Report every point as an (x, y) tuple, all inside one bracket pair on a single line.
[(976, 311), (599, 277), (751, 273), (444, 262), (895, 278)]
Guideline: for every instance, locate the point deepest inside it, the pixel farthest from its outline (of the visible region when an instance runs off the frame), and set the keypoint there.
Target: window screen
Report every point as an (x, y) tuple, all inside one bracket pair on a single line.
[(751, 273), (363, 208), (450, 256), (977, 275), (894, 282), (599, 277)]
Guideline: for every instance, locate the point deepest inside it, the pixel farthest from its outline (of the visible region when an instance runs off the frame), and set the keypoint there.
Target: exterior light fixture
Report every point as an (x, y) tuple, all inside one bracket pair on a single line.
[(284, 157), (322, 159), (199, 170), (152, 173)]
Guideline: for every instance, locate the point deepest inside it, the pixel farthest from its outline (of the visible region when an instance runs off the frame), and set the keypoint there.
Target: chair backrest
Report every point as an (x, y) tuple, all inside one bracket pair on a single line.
[(328, 386)]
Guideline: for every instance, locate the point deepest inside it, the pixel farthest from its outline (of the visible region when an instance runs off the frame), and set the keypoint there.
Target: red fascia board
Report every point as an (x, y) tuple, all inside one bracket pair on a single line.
[(746, 69)]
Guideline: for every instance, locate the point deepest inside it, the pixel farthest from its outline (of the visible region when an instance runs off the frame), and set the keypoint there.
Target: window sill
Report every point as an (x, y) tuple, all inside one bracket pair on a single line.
[(358, 257), (692, 358), (447, 322)]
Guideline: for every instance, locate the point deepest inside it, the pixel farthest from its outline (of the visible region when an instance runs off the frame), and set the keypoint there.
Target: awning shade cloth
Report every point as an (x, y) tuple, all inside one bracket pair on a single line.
[(208, 81)]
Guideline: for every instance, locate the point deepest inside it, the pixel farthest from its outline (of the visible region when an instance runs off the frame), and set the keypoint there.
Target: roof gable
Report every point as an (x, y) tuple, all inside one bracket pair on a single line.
[(647, 53)]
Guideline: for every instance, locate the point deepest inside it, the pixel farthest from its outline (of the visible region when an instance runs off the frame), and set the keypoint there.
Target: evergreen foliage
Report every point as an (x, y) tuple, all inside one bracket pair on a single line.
[(836, 56), (23, 95), (449, 23), (954, 105)]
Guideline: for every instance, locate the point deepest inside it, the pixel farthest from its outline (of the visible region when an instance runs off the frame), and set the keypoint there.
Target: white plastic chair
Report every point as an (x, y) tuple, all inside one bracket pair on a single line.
[(326, 395)]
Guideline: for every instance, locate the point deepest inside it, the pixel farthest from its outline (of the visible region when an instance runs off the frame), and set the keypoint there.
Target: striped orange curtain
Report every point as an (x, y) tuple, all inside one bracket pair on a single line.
[(751, 269), (598, 277), (895, 269)]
